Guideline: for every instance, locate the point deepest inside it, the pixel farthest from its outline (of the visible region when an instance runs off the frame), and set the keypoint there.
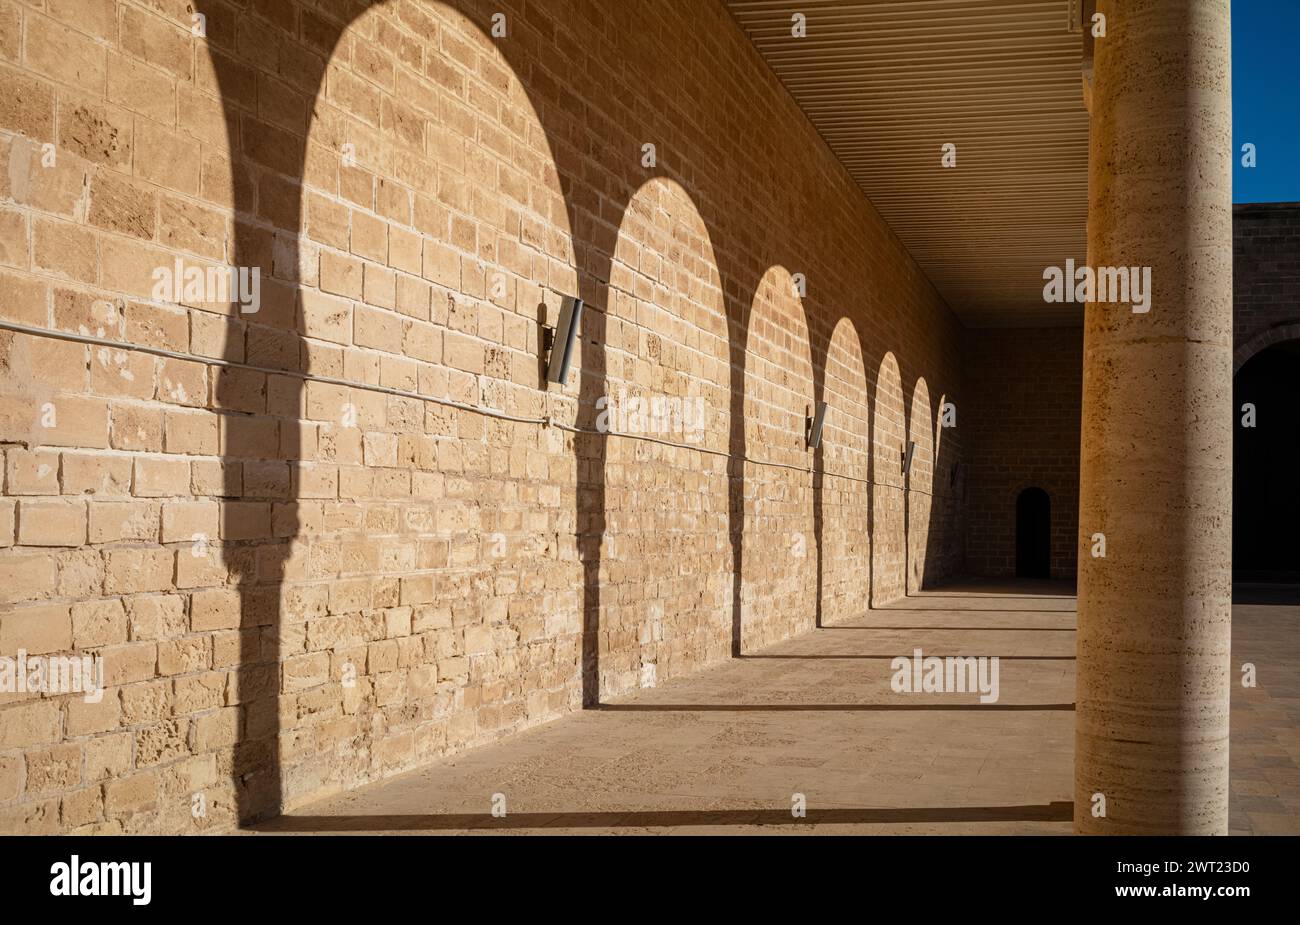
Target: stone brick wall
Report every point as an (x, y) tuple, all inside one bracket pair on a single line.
[(301, 572), (1026, 388), (1265, 276)]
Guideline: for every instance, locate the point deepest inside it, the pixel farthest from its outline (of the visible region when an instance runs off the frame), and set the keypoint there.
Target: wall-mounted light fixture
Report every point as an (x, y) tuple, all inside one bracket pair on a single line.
[(907, 456), (814, 426), (562, 339)]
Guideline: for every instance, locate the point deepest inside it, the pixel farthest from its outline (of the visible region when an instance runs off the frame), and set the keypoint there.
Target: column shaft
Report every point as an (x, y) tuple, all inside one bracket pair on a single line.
[(1156, 470)]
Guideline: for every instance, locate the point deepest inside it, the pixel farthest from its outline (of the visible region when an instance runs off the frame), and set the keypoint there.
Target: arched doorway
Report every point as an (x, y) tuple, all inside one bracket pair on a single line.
[(1266, 466), (1033, 534)]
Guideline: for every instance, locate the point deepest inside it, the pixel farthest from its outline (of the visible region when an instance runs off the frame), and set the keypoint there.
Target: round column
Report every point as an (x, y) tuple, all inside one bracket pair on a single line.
[(1154, 674)]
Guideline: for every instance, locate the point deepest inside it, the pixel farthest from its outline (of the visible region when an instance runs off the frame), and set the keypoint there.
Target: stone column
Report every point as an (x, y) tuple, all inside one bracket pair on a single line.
[(1151, 733)]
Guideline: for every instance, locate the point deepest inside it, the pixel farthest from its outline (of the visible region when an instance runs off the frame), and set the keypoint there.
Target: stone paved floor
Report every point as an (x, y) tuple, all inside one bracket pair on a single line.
[(725, 749), (1264, 763)]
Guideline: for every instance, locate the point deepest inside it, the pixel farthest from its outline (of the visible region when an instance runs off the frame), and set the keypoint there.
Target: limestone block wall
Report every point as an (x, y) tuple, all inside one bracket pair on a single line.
[(1265, 276), (305, 561), (1026, 388)]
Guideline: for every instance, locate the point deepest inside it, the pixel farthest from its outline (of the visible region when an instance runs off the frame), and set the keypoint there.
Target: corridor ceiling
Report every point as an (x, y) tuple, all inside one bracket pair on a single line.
[(889, 82)]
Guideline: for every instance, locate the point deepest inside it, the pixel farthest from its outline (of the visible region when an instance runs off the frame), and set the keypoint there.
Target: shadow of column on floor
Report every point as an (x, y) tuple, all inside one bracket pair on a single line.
[(441, 822), (832, 707)]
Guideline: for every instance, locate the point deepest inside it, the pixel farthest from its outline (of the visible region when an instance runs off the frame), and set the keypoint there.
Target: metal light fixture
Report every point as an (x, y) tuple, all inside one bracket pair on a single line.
[(907, 456), (562, 339), (815, 424)]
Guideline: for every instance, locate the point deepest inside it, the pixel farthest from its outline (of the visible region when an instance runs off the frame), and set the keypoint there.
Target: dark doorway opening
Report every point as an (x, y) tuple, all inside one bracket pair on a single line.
[(1033, 534), (1266, 467)]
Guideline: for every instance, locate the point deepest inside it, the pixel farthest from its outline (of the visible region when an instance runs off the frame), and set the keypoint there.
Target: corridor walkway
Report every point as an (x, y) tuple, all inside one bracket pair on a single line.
[(728, 749), (1264, 758)]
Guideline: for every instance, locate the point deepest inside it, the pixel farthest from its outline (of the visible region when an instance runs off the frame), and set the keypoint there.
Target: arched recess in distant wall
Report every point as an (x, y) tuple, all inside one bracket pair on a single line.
[(888, 441), (666, 568), (779, 582), (846, 443), (1266, 465), (1033, 534)]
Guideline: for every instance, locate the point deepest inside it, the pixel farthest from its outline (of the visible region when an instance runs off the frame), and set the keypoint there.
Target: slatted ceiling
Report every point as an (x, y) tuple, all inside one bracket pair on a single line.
[(888, 82)]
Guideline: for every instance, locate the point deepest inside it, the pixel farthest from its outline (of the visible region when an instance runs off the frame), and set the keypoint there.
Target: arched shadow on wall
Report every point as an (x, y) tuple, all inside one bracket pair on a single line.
[(888, 436), (669, 269), (776, 397), (268, 166), (843, 469), (919, 487)]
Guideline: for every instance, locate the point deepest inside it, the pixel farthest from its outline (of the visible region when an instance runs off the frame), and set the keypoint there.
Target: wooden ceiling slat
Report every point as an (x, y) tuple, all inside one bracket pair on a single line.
[(887, 83)]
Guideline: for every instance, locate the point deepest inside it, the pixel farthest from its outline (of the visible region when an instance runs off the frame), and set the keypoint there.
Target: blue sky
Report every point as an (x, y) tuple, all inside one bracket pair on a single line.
[(1266, 99)]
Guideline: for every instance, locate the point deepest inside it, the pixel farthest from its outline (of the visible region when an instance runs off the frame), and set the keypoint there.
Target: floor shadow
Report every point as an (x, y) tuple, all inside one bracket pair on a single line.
[(1019, 588), (1056, 811), (1272, 593), (831, 707), (912, 608), (966, 629), (991, 595), (889, 658)]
